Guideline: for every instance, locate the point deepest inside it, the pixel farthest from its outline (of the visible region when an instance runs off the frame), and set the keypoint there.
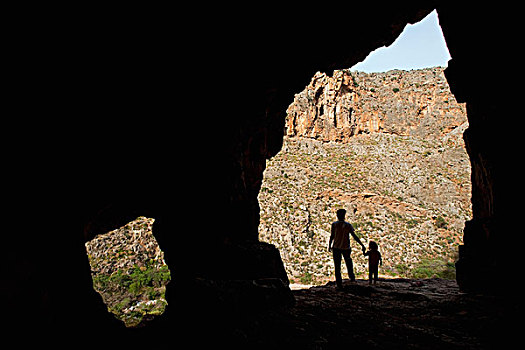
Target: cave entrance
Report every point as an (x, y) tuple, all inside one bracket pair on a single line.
[(386, 146), (129, 272)]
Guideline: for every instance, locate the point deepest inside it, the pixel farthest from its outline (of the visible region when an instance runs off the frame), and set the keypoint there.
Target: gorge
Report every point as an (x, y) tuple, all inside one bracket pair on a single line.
[(388, 148)]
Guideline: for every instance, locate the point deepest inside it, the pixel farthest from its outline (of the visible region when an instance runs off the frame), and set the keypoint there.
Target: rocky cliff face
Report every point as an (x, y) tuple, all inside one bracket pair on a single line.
[(395, 159), (409, 103)]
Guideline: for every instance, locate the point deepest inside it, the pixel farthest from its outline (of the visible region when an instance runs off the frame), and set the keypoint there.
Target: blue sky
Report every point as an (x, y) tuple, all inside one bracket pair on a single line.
[(420, 45)]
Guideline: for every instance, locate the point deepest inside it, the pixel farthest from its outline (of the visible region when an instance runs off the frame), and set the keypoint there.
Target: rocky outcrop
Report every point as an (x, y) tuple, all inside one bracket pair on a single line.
[(407, 103)]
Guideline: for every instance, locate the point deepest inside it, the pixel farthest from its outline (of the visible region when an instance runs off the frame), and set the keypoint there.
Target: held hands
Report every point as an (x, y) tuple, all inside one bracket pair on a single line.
[(362, 248)]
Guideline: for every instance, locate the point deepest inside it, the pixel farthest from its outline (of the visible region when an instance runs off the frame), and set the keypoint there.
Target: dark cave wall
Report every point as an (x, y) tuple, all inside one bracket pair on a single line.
[(182, 126), (473, 36)]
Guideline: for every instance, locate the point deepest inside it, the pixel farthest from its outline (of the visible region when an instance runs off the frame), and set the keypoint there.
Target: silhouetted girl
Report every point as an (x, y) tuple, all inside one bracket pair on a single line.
[(374, 258)]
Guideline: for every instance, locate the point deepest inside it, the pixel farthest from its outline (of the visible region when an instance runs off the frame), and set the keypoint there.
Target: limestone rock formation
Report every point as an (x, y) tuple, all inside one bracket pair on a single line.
[(408, 103)]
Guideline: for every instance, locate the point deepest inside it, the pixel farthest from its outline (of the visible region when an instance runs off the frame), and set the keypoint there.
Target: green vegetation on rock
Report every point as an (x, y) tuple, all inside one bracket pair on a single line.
[(129, 272)]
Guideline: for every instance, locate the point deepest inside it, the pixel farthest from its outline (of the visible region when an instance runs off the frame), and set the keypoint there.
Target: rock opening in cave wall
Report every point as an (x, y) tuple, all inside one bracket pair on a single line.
[(397, 163), (129, 272)]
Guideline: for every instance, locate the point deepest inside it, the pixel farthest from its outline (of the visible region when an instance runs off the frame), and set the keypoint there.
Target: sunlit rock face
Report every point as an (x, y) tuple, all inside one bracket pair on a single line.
[(129, 272), (414, 103)]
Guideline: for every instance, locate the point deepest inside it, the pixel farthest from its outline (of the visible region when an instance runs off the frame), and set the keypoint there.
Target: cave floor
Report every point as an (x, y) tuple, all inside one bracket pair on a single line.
[(394, 313)]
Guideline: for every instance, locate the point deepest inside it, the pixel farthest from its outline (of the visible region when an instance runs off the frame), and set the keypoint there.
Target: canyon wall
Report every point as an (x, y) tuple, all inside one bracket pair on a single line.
[(408, 103)]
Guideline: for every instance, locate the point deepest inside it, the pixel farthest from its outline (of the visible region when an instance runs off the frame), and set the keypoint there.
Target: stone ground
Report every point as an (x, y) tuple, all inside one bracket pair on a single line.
[(395, 313)]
